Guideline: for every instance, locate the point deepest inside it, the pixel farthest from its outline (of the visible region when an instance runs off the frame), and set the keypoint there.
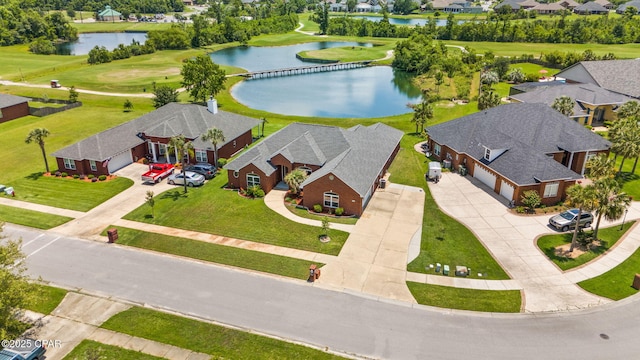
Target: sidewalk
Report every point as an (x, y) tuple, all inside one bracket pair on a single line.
[(41, 208)]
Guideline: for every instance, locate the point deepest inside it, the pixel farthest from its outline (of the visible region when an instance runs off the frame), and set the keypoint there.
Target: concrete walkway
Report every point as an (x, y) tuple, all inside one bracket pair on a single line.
[(38, 207)]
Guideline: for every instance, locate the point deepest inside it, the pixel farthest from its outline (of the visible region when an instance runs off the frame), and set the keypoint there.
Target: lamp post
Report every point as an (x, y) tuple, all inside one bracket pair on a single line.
[(624, 218)]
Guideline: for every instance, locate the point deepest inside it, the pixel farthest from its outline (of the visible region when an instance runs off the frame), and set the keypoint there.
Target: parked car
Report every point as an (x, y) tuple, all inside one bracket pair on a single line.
[(22, 349), (191, 178), (567, 220), (207, 170)]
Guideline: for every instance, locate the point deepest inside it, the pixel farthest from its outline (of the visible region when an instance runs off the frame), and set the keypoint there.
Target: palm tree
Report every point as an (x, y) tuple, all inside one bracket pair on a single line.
[(516, 75), (584, 198), (601, 166), (294, 179), (264, 121), (182, 147), (564, 105), (625, 136), (215, 136), (421, 113), (610, 201), (38, 135)]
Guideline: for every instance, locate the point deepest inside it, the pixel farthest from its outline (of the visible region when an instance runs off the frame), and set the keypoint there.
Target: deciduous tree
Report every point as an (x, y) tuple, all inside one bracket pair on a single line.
[(163, 95), (202, 77)]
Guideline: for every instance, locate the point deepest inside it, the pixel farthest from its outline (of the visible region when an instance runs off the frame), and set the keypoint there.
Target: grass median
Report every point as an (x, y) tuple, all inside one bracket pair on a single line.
[(34, 219), (615, 284), (218, 341), (220, 254), (48, 298), (503, 301), (88, 349)]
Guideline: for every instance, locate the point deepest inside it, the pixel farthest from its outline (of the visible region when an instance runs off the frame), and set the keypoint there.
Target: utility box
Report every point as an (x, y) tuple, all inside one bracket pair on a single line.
[(636, 282), (112, 234), (312, 273), (383, 183), (435, 170)]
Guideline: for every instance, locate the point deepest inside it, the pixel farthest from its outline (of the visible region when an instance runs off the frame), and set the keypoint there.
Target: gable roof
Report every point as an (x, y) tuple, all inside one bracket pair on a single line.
[(7, 100), (548, 7), (621, 76), (170, 120), (108, 11), (356, 155), (635, 3), (590, 6), (528, 132)]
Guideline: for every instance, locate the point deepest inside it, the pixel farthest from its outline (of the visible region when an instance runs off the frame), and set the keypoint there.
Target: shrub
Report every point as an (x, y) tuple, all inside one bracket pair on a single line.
[(222, 162), (94, 179), (255, 191), (102, 177), (588, 127), (317, 208), (58, 173), (339, 211), (76, 176), (64, 174), (520, 210), (91, 176), (531, 199)]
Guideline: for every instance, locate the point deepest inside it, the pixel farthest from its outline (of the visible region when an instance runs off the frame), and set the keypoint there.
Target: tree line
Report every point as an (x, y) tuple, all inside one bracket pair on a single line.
[(20, 26), (123, 6)]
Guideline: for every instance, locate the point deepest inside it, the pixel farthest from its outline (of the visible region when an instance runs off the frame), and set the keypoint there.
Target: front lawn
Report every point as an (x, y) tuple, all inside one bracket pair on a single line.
[(608, 237), (34, 219), (88, 349), (505, 301), (212, 209), (227, 255), (616, 283), (308, 215), (218, 341), (48, 299)]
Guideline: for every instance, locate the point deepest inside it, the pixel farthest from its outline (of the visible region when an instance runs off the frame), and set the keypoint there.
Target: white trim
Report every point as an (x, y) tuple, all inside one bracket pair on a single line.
[(69, 164), (253, 181), (551, 189), (333, 199)]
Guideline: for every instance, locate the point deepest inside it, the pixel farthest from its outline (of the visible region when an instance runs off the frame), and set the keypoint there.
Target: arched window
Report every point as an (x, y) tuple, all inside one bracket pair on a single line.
[(305, 169), (331, 200), (236, 174)]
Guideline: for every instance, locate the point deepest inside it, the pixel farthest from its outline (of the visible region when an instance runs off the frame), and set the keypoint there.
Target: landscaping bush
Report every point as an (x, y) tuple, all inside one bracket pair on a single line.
[(64, 174), (91, 176), (76, 176), (94, 179), (58, 174), (531, 199), (102, 177), (222, 162), (317, 208), (521, 210), (254, 191), (339, 211)]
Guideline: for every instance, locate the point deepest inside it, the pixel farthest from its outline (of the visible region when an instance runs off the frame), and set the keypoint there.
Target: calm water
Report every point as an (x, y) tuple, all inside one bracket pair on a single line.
[(405, 22), (88, 41)]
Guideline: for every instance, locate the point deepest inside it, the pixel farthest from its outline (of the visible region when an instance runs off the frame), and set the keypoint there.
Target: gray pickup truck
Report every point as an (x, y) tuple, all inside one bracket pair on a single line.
[(23, 349)]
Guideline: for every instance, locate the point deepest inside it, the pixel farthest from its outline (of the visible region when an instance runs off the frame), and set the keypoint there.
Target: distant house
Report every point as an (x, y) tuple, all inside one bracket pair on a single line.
[(550, 8), (569, 4), (590, 8), (620, 76), (108, 14), (13, 107), (148, 136), (593, 103), (605, 3), (633, 3), (344, 165), (513, 148), (518, 4)]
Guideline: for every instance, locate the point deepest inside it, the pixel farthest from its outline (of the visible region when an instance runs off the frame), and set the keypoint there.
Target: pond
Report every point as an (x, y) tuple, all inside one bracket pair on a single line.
[(87, 41), (369, 92), (405, 21)]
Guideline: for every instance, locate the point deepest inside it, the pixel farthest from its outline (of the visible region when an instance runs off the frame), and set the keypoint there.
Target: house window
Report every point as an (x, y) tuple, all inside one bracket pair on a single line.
[(162, 149), (69, 164), (201, 155), (253, 180), (305, 169), (331, 200), (93, 166), (234, 143), (487, 154), (150, 147), (551, 190), (436, 149), (236, 174)]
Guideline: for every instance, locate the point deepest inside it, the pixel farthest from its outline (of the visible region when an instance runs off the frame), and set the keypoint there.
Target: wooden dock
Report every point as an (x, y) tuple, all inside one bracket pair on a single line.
[(304, 69)]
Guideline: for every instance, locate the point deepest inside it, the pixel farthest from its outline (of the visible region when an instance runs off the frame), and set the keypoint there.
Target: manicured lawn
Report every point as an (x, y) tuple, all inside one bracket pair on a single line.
[(88, 348), (616, 283), (505, 301), (347, 53), (608, 237), (307, 215), (48, 299), (227, 255), (223, 212), (444, 240), (631, 181), (34, 219), (220, 342), (68, 193)]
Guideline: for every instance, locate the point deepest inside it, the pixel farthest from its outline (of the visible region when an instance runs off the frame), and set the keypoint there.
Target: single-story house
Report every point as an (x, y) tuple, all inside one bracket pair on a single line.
[(620, 76), (592, 103), (548, 8), (605, 3), (148, 136), (108, 14), (344, 165), (590, 8), (569, 4), (622, 8), (13, 107), (518, 147), (517, 4)]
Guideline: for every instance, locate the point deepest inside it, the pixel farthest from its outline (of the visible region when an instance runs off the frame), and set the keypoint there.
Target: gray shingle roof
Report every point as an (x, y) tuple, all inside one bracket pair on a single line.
[(355, 155), (170, 120), (590, 6), (621, 76), (7, 100), (528, 132), (635, 3)]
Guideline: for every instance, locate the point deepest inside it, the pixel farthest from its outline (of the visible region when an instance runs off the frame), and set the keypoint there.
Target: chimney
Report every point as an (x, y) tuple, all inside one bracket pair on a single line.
[(212, 105)]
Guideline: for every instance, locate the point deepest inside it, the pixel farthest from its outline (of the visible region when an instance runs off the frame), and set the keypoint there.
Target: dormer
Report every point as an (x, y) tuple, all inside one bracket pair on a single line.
[(492, 154)]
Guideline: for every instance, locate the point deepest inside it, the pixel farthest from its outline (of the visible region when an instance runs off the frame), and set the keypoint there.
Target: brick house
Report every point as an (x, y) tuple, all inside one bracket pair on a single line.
[(518, 147), (148, 136), (13, 107), (344, 165), (619, 76)]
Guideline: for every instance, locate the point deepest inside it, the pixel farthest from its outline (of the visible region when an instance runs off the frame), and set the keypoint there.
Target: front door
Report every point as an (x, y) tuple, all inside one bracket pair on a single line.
[(284, 171)]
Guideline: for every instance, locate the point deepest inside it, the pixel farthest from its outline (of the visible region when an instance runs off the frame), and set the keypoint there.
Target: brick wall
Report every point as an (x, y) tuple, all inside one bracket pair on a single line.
[(349, 199), (14, 112)]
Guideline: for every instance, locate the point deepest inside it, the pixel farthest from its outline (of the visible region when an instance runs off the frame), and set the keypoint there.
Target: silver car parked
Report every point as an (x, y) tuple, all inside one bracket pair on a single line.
[(190, 177), (567, 220)]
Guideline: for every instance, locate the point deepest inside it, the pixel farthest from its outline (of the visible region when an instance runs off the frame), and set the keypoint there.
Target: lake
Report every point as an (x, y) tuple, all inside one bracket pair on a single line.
[(87, 41), (405, 22)]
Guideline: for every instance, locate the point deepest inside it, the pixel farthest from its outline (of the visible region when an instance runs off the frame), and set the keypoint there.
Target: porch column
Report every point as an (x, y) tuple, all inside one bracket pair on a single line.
[(584, 164), (178, 159), (166, 153), (153, 151), (570, 161)]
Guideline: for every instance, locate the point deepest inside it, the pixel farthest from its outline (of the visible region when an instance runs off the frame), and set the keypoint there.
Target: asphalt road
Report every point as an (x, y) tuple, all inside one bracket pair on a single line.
[(343, 322)]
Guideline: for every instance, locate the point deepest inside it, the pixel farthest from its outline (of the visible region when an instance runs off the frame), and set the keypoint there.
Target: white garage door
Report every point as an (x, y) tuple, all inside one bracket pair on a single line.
[(506, 190), (484, 176), (119, 161)]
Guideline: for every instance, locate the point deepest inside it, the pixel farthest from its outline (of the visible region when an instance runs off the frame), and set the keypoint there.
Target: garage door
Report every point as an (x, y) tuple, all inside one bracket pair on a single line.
[(484, 176), (119, 161), (506, 190)]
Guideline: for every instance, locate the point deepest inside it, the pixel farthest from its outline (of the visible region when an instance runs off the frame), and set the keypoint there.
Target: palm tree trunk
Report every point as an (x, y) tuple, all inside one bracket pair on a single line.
[(215, 156), (635, 163), (595, 230), (44, 155), (184, 176), (575, 232), (622, 164)]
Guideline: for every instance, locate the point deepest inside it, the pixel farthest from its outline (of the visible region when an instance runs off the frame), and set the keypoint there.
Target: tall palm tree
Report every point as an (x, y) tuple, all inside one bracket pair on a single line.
[(564, 105), (38, 135), (601, 166), (421, 113), (584, 198), (182, 148), (610, 201), (625, 136), (264, 121), (215, 136)]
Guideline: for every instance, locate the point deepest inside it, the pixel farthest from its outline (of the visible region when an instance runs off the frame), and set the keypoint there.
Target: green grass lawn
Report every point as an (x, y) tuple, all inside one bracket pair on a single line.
[(347, 53), (630, 180), (218, 341), (608, 237), (48, 299), (88, 349), (616, 283), (227, 255), (34, 219), (308, 215), (504, 301), (214, 210)]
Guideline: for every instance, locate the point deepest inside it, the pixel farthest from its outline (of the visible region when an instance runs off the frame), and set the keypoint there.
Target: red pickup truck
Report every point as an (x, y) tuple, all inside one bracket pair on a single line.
[(157, 172)]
